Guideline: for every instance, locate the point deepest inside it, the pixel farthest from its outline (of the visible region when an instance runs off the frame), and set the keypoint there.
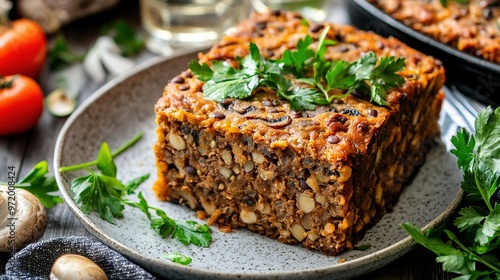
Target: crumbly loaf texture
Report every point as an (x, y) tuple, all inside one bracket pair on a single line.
[(320, 178), (471, 27)]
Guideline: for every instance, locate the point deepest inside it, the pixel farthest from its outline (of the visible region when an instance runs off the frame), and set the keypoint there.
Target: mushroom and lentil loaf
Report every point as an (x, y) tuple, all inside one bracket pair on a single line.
[(320, 177), (472, 27)]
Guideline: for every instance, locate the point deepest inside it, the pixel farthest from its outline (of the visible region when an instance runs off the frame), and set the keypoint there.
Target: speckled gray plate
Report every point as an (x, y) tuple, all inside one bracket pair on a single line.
[(124, 107)]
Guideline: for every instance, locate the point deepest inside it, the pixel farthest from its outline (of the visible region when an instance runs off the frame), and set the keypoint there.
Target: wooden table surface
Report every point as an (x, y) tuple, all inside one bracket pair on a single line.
[(25, 150)]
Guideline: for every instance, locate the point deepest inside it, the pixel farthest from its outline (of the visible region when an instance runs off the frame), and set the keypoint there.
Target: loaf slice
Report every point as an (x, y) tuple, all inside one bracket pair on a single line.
[(320, 177)]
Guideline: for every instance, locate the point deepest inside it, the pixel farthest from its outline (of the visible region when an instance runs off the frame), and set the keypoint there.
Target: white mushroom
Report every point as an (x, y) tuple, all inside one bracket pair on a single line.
[(76, 267), (22, 219)]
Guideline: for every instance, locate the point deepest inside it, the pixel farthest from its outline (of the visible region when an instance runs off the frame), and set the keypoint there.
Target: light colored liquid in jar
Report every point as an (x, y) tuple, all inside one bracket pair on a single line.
[(187, 22)]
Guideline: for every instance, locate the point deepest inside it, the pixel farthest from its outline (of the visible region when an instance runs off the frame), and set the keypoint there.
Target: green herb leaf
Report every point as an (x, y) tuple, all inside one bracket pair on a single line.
[(104, 192), (40, 184), (383, 77), (105, 161), (187, 232), (491, 227), (202, 71), (179, 258), (364, 247), (339, 75), (487, 139), (100, 193), (60, 55), (464, 146), (239, 87), (141, 205), (129, 41), (432, 243), (295, 62), (133, 184), (470, 217)]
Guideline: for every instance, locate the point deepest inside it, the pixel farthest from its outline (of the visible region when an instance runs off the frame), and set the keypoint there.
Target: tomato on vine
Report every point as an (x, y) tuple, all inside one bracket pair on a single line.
[(21, 104), (23, 46)]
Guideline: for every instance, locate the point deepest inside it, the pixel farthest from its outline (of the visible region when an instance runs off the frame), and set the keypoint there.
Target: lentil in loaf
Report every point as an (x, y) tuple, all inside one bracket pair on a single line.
[(320, 177)]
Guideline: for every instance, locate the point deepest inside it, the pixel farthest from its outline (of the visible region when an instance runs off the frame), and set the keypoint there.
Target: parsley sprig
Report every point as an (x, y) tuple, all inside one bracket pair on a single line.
[(471, 249), (179, 258), (316, 75), (103, 192), (187, 232), (40, 184), (100, 190), (128, 40)]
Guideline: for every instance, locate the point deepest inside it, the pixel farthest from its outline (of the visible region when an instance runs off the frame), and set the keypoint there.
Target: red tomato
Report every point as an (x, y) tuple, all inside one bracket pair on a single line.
[(23, 48), (21, 104)]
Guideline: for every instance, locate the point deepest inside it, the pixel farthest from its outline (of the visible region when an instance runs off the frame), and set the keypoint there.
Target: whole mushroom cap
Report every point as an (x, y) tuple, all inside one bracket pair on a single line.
[(25, 225), (76, 267)]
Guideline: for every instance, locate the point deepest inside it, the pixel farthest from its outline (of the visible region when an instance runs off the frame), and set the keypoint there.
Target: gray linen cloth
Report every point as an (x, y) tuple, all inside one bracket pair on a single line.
[(35, 260)]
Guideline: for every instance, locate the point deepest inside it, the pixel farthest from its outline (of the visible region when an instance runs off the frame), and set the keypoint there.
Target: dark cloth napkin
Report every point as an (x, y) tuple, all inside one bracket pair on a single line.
[(35, 260)]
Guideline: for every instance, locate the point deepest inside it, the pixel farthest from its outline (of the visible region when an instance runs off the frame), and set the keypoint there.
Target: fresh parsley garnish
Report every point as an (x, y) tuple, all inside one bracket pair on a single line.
[(60, 55), (364, 247), (129, 41), (187, 232), (472, 247), (316, 75), (104, 193), (40, 184), (179, 258)]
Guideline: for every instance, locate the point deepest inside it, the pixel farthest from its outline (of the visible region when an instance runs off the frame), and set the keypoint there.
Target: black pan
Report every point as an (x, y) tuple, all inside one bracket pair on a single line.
[(475, 77)]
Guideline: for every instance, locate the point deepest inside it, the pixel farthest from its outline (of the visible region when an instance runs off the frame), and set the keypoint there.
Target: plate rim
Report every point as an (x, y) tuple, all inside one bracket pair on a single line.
[(396, 249)]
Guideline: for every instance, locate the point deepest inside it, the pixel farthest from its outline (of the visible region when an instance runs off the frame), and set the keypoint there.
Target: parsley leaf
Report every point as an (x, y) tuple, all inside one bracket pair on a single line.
[(464, 144), (101, 193), (473, 252), (316, 76), (470, 217), (135, 183), (40, 185), (179, 258), (60, 55), (129, 41), (105, 161), (383, 77), (203, 71), (364, 247), (187, 232), (295, 62)]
